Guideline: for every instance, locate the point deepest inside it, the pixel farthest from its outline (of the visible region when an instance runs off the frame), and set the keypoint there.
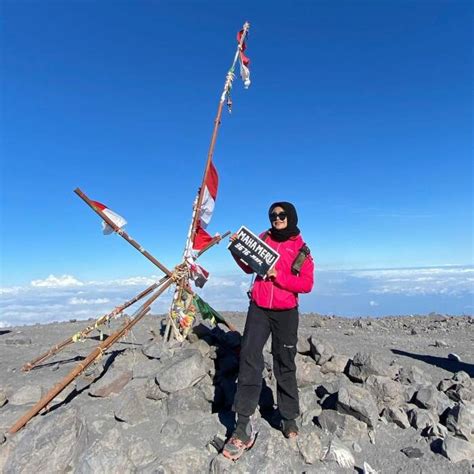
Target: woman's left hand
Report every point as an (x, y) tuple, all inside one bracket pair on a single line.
[(272, 273)]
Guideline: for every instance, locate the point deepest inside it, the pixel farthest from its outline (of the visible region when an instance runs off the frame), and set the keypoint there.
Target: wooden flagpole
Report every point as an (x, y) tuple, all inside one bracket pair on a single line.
[(102, 320), (92, 357)]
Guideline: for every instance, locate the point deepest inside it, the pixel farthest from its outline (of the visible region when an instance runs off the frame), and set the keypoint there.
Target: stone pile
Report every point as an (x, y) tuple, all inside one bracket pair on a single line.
[(168, 409)]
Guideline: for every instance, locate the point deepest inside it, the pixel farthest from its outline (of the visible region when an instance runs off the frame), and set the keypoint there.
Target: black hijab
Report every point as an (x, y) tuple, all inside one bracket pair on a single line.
[(291, 230)]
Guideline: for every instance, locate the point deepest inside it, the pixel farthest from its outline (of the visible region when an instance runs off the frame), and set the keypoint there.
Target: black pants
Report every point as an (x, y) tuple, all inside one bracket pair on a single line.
[(283, 326)]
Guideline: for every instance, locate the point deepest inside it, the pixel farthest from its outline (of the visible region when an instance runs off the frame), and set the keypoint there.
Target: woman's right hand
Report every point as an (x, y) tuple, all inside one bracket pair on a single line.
[(233, 237)]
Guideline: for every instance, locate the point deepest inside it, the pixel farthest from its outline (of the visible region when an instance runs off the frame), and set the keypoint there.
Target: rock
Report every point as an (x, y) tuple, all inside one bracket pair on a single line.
[(129, 407), (17, 340), (3, 438), (111, 383), (367, 469), (152, 391), (398, 416), (27, 394), (303, 345), (337, 451), (307, 398), (462, 378), (155, 350), (358, 402), (188, 459), (440, 343), (3, 398), (386, 391), (427, 397), (188, 406), (139, 451), (345, 427), (453, 356), (321, 352), (412, 453), (336, 364), (435, 431), (415, 376), (185, 369), (421, 419), (363, 365), (460, 421), (309, 445), (457, 449), (307, 372), (309, 416), (51, 444), (107, 455)]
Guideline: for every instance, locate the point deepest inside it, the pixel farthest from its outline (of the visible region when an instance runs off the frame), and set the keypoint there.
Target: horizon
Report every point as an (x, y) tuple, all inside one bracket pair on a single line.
[(359, 113)]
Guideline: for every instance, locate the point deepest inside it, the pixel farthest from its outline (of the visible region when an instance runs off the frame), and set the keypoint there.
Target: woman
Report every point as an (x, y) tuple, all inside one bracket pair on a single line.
[(273, 310)]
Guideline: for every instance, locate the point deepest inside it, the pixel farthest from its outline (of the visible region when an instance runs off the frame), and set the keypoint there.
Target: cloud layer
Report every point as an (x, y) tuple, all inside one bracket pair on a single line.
[(345, 292)]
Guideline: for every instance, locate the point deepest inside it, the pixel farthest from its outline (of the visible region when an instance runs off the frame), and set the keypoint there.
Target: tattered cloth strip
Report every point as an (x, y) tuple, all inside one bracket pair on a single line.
[(198, 274), (118, 220), (207, 312), (244, 61)]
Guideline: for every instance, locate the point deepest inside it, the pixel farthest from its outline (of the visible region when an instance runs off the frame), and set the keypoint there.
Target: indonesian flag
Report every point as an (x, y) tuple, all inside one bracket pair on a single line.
[(244, 61), (118, 220), (209, 195)]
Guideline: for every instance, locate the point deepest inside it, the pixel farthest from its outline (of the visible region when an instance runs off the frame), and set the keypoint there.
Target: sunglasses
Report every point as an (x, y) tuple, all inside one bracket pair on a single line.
[(280, 215)]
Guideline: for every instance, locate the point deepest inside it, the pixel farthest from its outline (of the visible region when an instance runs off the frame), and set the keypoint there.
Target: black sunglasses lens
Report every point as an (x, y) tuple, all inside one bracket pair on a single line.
[(279, 215)]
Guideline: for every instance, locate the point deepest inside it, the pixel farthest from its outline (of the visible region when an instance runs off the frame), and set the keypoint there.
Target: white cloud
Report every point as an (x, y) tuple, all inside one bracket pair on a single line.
[(52, 281), (75, 301), (373, 303)]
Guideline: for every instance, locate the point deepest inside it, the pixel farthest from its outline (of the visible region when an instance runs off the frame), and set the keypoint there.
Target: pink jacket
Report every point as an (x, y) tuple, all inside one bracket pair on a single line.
[(282, 292)]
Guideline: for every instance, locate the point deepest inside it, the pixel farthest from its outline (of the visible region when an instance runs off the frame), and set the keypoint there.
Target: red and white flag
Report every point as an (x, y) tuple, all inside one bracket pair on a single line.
[(209, 195), (118, 220)]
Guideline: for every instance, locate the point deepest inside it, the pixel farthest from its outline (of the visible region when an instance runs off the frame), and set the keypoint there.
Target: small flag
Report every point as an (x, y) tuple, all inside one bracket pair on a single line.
[(207, 312), (118, 220), (199, 275), (244, 61), (211, 183)]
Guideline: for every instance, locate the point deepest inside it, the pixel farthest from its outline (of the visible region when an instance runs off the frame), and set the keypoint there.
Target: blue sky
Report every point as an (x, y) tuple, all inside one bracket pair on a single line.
[(359, 112)]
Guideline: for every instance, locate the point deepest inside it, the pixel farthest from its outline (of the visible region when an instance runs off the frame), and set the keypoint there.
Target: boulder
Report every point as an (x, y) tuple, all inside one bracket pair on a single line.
[(111, 383), (421, 419), (365, 364), (129, 407), (414, 375), (3, 398), (309, 445), (188, 406), (345, 427), (457, 449), (185, 369), (397, 415), (303, 346), (28, 394), (460, 421), (107, 455), (320, 351), (307, 372), (336, 364), (358, 402), (386, 391), (427, 397), (51, 443)]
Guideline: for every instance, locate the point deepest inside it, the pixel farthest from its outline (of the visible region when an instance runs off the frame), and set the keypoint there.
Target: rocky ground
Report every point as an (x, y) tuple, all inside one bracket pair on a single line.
[(388, 395)]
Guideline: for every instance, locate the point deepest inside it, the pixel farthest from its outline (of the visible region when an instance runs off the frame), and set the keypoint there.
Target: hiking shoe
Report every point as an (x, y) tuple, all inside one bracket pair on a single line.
[(289, 428), (234, 448)]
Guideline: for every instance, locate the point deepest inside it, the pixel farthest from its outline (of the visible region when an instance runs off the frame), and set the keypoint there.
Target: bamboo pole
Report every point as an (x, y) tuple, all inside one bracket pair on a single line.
[(102, 320), (123, 234), (217, 122), (96, 353)]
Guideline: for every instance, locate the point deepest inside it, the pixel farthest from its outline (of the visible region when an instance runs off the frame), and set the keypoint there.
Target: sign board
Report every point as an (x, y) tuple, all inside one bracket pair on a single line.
[(253, 251)]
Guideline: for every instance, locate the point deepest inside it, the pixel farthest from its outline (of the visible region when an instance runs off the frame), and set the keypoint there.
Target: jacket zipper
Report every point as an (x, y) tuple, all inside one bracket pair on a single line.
[(271, 292)]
